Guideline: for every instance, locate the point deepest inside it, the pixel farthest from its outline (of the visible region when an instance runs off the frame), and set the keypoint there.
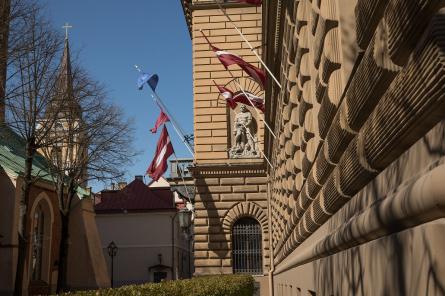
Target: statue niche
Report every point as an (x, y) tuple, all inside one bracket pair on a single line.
[(245, 137)]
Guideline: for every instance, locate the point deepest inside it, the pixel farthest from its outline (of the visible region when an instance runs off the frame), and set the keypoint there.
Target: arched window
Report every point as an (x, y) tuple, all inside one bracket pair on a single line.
[(37, 243), (247, 254)]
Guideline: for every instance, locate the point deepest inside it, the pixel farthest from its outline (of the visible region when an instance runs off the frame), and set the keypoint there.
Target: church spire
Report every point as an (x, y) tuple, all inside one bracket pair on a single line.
[(65, 66), (68, 103), (65, 76)]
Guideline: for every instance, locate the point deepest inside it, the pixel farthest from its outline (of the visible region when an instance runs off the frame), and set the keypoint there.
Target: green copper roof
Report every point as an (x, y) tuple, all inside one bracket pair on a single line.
[(12, 158), (12, 155)]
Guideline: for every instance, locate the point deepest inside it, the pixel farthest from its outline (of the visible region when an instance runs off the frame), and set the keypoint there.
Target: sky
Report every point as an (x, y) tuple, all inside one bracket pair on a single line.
[(110, 37)]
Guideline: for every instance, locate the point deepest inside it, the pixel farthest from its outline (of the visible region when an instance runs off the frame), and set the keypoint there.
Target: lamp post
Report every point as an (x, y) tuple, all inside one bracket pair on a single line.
[(185, 218), (112, 251)]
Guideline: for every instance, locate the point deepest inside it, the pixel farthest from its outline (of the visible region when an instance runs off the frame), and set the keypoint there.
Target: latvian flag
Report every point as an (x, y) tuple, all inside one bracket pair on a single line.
[(162, 118), (164, 149), (232, 99), (226, 58)]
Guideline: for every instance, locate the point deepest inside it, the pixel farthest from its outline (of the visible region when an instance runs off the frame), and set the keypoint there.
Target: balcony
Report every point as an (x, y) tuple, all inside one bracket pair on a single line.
[(180, 167)]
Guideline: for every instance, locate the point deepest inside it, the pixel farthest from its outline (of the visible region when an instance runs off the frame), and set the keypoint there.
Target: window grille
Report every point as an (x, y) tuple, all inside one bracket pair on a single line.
[(247, 254)]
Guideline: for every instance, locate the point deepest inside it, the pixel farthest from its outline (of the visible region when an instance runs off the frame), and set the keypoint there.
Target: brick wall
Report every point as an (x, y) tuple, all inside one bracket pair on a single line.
[(226, 189), (212, 119), (220, 201)]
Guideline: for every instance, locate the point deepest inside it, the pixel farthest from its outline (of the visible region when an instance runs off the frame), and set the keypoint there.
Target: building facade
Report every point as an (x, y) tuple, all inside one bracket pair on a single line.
[(143, 222), (354, 193), (360, 120), (43, 229), (229, 170)]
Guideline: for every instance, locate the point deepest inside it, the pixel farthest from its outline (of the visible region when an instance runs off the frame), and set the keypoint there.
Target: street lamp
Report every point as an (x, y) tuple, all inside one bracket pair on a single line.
[(185, 218), (112, 251)]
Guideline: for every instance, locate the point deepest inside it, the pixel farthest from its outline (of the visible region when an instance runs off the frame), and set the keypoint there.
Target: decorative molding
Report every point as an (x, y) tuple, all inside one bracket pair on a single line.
[(251, 169), (245, 209), (388, 131), (188, 7), (416, 203)]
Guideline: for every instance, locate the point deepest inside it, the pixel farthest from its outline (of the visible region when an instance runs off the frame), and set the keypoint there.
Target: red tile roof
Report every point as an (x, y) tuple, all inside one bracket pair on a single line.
[(136, 196)]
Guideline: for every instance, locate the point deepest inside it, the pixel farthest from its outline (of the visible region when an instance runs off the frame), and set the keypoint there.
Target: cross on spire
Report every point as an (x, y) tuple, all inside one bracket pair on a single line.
[(66, 27)]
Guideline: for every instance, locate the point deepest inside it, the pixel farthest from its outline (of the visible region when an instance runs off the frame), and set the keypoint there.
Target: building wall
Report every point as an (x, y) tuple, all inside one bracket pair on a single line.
[(8, 239), (409, 262), (39, 195), (150, 235), (356, 195), (87, 273), (212, 118), (220, 201), (86, 261), (226, 189)]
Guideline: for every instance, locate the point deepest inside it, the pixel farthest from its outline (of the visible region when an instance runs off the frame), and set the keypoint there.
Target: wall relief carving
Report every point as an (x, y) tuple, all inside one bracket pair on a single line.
[(243, 137), (244, 133)]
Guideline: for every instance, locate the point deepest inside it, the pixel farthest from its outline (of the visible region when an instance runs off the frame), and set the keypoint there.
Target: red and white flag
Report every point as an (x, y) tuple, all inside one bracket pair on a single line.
[(164, 149), (232, 99), (228, 96), (162, 118), (253, 2), (227, 58)]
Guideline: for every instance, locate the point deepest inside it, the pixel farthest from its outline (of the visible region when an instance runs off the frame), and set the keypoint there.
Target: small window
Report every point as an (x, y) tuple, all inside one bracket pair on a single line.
[(247, 247)]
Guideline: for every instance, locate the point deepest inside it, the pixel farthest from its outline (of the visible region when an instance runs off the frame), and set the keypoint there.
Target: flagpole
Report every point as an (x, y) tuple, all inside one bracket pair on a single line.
[(175, 125), (248, 131), (251, 103), (259, 148), (183, 180), (245, 94), (250, 45)]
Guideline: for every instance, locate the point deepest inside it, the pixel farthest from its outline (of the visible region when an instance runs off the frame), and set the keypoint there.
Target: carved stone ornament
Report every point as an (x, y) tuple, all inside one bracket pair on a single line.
[(246, 141)]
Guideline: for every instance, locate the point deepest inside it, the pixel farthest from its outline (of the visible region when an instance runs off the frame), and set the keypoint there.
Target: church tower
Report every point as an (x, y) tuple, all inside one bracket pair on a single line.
[(67, 134)]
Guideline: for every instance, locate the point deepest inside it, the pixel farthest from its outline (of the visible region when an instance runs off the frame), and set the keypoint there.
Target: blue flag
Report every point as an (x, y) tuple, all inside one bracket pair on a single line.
[(150, 79)]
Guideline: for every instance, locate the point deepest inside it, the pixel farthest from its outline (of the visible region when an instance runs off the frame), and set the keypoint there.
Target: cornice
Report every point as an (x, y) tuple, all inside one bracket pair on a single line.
[(254, 169), (188, 7)]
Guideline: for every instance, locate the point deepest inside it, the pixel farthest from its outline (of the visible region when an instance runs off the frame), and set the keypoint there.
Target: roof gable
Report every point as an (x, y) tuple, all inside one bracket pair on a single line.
[(136, 196)]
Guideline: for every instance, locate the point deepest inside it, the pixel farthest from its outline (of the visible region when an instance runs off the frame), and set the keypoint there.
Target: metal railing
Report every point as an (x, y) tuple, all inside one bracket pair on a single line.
[(180, 165)]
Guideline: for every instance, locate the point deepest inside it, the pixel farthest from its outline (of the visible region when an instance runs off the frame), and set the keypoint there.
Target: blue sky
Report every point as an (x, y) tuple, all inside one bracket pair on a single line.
[(113, 35)]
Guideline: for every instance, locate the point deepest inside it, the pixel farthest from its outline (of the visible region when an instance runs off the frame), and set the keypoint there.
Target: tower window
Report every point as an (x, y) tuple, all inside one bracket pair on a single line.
[(247, 254)]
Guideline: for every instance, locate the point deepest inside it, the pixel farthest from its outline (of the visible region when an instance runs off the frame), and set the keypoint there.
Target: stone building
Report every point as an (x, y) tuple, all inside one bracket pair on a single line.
[(355, 199), (229, 171), (156, 248), (44, 228)]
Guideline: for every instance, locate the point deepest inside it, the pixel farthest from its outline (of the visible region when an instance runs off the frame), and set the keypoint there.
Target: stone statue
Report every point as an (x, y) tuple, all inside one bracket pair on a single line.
[(245, 141)]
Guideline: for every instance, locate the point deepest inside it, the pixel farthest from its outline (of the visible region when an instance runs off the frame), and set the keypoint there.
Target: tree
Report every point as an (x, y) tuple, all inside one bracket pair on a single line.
[(5, 7), (13, 14), (95, 144), (63, 115), (30, 88)]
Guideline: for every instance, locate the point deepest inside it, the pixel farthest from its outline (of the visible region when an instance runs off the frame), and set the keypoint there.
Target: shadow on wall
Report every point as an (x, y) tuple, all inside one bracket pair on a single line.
[(404, 263), (7, 234), (218, 245)]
